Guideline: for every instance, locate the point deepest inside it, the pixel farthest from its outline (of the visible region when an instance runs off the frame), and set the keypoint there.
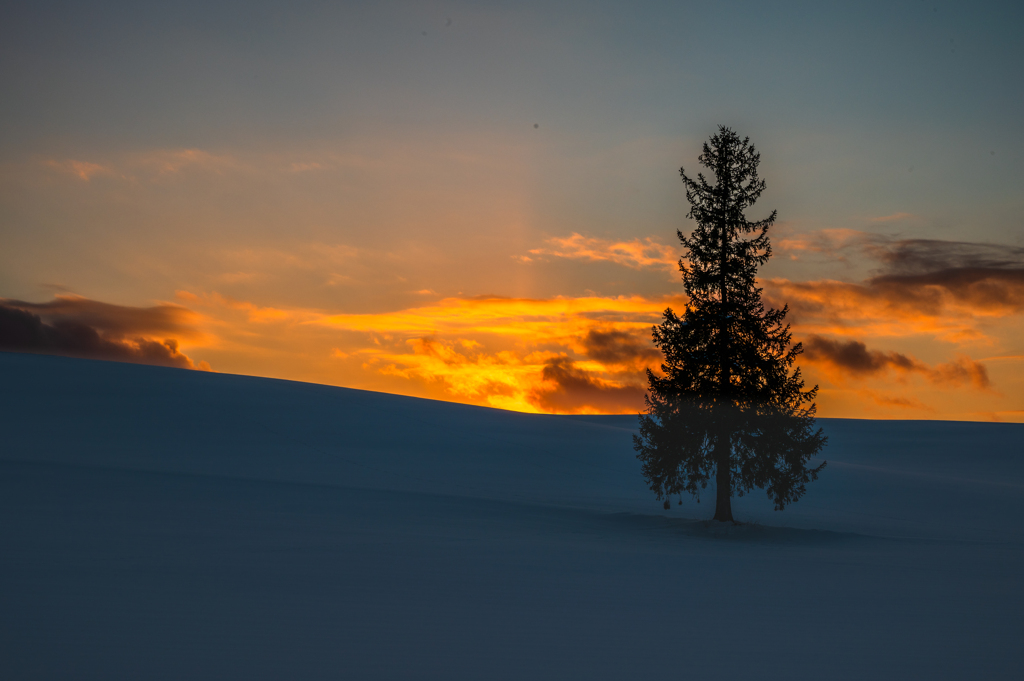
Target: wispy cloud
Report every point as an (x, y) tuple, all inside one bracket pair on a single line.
[(162, 162), (254, 313), (895, 217), (636, 254), (833, 244), (83, 170), (896, 401), (305, 256), (540, 319), (299, 167), (154, 164)]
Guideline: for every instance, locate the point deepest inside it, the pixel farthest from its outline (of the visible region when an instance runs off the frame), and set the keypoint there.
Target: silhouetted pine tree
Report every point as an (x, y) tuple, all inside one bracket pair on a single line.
[(727, 404)]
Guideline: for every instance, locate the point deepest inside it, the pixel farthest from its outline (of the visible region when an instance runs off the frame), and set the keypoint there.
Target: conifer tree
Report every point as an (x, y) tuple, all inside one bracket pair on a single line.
[(727, 404)]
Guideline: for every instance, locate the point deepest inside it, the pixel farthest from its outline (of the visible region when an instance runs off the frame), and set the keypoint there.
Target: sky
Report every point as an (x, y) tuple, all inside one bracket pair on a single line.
[(478, 202)]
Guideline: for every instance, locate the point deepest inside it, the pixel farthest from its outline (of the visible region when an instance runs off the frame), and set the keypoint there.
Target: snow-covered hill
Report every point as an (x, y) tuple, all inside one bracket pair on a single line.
[(166, 524)]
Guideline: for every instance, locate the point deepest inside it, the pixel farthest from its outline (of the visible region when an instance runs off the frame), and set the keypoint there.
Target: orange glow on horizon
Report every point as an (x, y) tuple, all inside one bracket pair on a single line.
[(545, 355)]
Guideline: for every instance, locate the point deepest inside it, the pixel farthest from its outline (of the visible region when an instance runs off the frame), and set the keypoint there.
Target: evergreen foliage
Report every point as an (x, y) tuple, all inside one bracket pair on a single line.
[(727, 403)]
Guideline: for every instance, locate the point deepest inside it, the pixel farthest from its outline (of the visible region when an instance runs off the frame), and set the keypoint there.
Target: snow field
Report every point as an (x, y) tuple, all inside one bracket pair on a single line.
[(166, 524)]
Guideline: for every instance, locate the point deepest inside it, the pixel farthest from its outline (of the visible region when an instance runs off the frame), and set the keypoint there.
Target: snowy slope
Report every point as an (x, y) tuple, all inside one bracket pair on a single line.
[(164, 524)]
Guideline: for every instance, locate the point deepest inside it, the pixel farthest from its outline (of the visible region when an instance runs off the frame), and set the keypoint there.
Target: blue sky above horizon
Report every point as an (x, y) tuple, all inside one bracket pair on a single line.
[(262, 168)]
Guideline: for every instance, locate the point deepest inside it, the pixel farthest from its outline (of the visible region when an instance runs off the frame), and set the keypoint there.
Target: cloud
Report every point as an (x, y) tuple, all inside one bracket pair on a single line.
[(305, 167), (534, 320), (524, 381), (112, 321), (567, 388), (566, 355), (831, 242), (1010, 415), (172, 161), (153, 164), (841, 308), (84, 170), (920, 256), (923, 286), (899, 258), (240, 277), (254, 313), (898, 401), (307, 256), (984, 291), (461, 367), (559, 354), (331, 264), (636, 254), (961, 371), (894, 217), (932, 275), (617, 347), (22, 331), (853, 359)]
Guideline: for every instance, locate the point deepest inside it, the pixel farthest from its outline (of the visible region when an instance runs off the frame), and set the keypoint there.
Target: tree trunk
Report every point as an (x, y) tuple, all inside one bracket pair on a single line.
[(723, 491), (723, 448)]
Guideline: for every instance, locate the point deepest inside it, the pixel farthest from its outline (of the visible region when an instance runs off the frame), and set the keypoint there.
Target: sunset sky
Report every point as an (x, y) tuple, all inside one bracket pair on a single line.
[(477, 202)]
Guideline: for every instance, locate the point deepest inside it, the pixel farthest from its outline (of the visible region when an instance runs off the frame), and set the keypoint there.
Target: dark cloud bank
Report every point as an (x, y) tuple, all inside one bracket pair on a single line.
[(985, 276), (570, 388), (77, 327), (619, 347), (914, 272), (854, 359), (921, 256)]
